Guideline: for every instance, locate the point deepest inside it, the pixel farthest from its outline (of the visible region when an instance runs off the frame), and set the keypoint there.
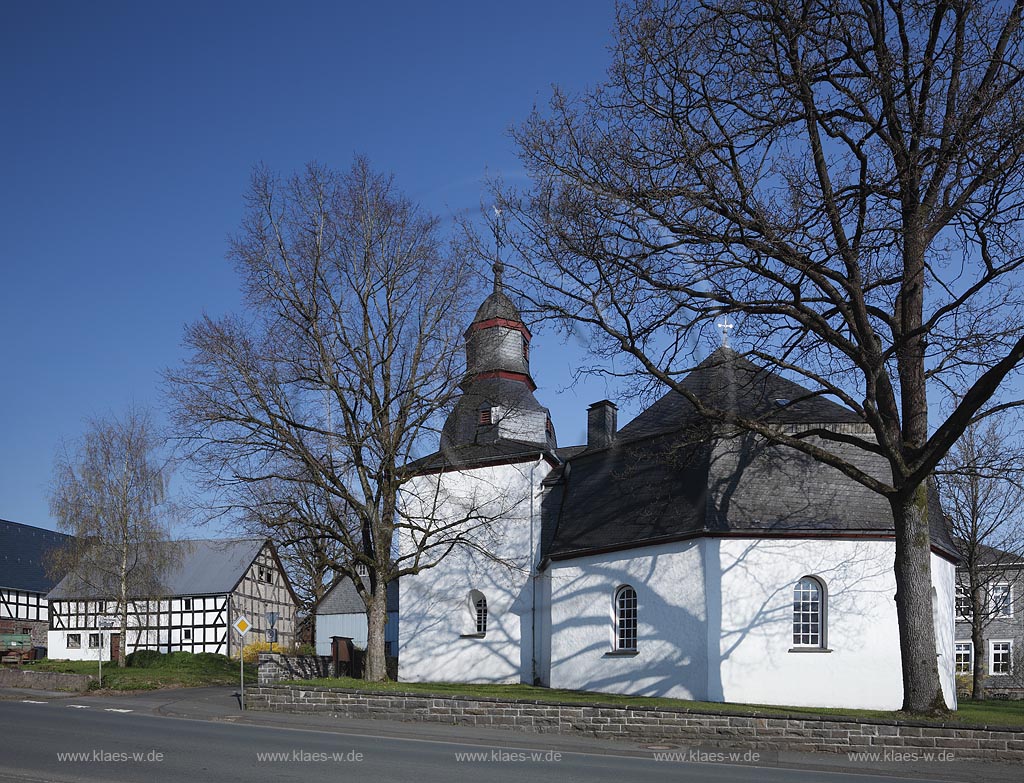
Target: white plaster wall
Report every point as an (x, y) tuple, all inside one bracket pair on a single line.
[(671, 657), (436, 613), (754, 634), (351, 625), (944, 582)]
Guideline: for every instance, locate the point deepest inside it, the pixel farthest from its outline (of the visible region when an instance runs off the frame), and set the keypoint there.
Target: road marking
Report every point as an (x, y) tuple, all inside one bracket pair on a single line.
[(29, 701), (114, 709), (79, 706)]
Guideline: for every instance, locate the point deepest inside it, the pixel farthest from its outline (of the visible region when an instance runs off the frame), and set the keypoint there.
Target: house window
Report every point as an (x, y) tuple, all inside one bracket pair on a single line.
[(26, 630), (1001, 597), (809, 613), (186, 634), (485, 416), (478, 610), (74, 641), (964, 656), (186, 605), (1000, 657), (264, 574), (94, 641), (963, 603), (625, 618)]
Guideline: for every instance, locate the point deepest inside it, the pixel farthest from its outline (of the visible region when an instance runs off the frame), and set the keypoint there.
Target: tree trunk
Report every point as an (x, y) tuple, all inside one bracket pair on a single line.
[(375, 666), (978, 643), (922, 692)]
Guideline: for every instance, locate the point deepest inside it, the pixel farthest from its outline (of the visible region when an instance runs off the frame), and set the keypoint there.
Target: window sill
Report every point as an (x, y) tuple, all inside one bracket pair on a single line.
[(472, 635), (809, 650), (621, 653)]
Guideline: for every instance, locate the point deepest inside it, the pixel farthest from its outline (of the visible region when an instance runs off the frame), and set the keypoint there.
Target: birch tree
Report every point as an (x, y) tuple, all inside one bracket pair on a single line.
[(110, 493)]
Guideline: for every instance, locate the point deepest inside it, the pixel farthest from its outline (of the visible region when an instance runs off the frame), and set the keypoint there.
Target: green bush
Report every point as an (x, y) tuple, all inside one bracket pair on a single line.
[(179, 657), (146, 659)]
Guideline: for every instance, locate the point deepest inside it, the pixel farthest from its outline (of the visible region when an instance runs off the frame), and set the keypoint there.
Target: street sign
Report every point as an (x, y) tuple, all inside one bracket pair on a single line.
[(242, 625), (271, 619)]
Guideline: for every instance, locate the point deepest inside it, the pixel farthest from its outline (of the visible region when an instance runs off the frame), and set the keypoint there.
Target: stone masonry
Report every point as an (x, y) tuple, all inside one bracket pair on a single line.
[(681, 727)]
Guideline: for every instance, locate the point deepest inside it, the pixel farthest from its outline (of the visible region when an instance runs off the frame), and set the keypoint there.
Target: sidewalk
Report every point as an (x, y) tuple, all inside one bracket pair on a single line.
[(222, 704)]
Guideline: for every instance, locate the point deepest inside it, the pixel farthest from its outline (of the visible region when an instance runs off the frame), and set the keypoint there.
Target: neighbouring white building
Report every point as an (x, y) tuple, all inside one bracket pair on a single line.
[(211, 584), (672, 557), (341, 612)]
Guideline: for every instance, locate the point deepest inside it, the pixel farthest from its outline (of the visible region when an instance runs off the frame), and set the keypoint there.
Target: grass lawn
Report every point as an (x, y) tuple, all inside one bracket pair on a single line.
[(990, 713), (176, 670)]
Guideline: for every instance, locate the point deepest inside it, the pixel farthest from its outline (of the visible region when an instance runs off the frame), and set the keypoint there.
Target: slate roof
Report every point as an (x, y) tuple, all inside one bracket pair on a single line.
[(497, 305), (23, 553), (342, 598), (728, 381), (204, 567), (477, 455), (669, 474)]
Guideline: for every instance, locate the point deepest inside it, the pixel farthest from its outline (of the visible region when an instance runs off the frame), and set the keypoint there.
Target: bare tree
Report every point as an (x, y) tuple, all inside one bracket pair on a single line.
[(111, 495), (982, 481), (843, 180), (308, 408)]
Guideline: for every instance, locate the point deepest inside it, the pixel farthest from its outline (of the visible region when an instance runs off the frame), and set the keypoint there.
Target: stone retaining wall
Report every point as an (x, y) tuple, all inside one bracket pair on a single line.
[(46, 681), (678, 727)]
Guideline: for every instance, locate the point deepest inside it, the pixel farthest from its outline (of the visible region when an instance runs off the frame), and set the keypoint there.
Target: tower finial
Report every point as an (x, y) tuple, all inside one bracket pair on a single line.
[(498, 268), (725, 326)]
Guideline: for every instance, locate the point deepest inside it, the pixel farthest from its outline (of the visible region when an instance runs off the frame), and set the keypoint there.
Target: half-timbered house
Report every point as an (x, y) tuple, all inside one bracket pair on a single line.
[(210, 585)]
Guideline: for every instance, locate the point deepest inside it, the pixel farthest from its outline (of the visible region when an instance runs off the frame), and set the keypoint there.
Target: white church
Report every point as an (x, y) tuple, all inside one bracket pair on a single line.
[(671, 557)]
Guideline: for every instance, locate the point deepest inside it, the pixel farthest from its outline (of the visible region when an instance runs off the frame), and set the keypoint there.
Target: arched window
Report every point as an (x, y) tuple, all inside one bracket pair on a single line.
[(478, 611), (625, 618), (809, 613)]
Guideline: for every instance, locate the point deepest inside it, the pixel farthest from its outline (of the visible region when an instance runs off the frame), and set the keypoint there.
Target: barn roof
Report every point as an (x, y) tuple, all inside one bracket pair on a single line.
[(23, 556), (201, 567)]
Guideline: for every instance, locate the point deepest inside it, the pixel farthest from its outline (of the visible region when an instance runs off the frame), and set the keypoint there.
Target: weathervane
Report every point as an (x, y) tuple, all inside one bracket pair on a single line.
[(498, 267), (725, 326)]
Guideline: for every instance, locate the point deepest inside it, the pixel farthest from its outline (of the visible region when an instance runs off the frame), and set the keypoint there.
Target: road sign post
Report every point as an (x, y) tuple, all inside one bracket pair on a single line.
[(242, 625), (105, 622)]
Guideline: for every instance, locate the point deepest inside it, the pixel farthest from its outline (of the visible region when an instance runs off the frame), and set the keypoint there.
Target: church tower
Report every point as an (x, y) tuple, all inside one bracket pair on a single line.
[(498, 408)]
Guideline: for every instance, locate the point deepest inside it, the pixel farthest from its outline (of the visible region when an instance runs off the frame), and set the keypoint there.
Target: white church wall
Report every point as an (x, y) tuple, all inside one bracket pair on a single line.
[(758, 662), (437, 640), (944, 582), (671, 655)]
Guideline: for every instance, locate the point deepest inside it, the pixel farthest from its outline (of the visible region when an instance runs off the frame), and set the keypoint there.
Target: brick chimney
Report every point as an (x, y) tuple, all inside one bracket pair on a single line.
[(602, 421)]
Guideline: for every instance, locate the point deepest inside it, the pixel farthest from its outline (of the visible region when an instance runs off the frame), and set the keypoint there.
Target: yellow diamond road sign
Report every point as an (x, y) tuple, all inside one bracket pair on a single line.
[(242, 625)]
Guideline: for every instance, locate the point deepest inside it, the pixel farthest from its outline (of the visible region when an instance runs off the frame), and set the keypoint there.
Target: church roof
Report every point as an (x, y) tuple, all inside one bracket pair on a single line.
[(729, 381), (23, 556), (670, 475), (497, 305)]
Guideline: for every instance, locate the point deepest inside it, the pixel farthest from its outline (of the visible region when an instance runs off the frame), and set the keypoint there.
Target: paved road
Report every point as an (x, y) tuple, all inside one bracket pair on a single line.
[(200, 736)]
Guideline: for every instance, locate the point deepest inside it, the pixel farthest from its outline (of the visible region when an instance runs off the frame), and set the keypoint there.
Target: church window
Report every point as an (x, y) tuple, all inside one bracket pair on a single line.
[(478, 612), (809, 613), (625, 618)]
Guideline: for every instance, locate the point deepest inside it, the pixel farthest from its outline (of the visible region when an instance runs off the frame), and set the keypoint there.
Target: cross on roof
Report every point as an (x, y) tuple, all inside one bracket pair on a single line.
[(498, 266), (725, 326)]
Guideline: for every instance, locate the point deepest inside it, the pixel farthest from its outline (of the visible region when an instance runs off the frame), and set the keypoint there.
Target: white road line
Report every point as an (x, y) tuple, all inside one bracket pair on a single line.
[(79, 706), (29, 701), (114, 709)]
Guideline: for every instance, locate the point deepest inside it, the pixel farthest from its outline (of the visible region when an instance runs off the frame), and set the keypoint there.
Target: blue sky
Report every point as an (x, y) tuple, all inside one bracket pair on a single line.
[(129, 132)]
